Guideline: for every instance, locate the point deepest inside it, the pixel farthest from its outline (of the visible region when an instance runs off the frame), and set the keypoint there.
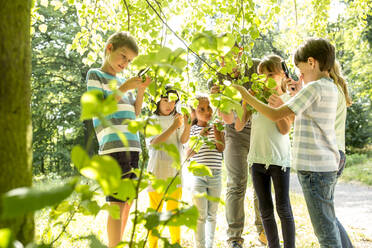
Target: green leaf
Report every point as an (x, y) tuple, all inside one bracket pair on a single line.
[(135, 126), (20, 201), (126, 190), (105, 170), (210, 198), (93, 104), (152, 219), (184, 216), (6, 238), (199, 169), (113, 210), (204, 42), (152, 130), (160, 185), (79, 157), (225, 43), (271, 83)]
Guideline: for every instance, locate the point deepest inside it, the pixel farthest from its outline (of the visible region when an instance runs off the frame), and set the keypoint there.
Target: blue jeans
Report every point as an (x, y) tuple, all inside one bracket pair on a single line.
[(318, 189), (345, 240), (262, 185), (206, 224)]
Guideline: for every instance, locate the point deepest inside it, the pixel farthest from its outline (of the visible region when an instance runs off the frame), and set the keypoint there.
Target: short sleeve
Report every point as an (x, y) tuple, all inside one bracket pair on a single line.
[(93, 81), (304, 99)]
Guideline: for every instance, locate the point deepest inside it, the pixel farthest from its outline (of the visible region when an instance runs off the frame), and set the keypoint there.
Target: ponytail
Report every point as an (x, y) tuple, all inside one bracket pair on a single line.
[(338, 79)]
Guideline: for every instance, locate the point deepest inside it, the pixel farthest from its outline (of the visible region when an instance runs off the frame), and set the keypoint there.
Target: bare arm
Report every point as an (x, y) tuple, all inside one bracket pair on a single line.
[(273, 114), (167, 133), (227, 118), (135, 83), (283, 125), (239, 124), (220, 139), (186, 131)]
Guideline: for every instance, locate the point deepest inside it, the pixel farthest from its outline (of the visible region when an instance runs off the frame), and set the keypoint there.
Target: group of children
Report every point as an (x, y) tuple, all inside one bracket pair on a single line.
[(318, 110)]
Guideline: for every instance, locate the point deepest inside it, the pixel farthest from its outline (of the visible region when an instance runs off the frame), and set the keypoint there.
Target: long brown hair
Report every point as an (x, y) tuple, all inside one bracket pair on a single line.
[(338, 79), (272, 63)]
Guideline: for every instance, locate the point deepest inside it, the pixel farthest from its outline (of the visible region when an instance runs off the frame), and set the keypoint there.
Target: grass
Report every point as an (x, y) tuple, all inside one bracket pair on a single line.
[(86, 225), (359, 167)]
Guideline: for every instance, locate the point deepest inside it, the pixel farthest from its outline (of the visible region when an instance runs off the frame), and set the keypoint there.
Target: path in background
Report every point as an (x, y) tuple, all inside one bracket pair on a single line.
[(353, 203)]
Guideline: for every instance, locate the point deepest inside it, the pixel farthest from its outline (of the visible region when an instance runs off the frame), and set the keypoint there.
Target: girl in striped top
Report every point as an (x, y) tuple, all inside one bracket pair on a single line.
[(210, 155)]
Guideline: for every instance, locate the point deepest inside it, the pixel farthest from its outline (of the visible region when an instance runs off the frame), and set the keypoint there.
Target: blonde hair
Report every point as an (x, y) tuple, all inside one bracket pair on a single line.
[(272, 63), (122, 39), (336, 75)]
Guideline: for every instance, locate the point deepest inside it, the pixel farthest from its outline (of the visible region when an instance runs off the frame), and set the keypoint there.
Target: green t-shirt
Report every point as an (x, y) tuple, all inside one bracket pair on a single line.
[(340, 120), (268, 145)]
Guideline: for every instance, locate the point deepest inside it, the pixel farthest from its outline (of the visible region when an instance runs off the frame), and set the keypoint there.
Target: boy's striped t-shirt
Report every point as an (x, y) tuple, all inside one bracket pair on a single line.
[(207, 155), (108, 140), (314, 140)]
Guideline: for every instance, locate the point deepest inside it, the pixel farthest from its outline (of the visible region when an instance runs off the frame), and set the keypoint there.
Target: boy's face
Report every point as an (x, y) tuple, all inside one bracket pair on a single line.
[(119, 58), (309, 70)]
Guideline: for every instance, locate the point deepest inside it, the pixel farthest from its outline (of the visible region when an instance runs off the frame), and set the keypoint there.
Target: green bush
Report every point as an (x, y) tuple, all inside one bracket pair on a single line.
[(355, 158), (358, 126)]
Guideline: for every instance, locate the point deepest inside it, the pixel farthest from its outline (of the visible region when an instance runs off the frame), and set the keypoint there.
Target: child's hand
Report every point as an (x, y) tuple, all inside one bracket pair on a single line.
[(145, 83), (293, 86), (215, 89), (205, 131), (187, 120), (133, 83), (275, 101), (177, 122)]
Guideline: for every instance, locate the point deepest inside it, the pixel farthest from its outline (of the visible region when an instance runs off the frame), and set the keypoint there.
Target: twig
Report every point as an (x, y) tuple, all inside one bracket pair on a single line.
[(183, 42), (126, 5)]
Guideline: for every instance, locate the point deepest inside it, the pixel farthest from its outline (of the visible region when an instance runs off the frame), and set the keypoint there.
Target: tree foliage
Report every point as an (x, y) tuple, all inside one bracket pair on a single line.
[(183, 42)]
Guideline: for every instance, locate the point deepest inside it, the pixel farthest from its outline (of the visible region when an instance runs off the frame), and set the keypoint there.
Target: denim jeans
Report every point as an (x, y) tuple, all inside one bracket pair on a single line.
[(206, 224), (235, 154), (262, 184), (318, 189), (345, 240)]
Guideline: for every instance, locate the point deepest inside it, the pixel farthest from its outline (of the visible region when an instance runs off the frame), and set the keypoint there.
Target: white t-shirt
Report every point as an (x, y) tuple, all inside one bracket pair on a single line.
[(160, 163)]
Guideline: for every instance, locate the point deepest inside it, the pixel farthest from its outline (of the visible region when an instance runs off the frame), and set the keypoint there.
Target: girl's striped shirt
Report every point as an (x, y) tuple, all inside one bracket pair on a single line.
[(208, 154)]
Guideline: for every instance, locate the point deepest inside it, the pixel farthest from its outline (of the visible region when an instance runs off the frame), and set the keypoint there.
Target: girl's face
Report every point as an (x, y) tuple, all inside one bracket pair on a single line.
[(118, 59), (166, 106), (277, 76), (203, 111)]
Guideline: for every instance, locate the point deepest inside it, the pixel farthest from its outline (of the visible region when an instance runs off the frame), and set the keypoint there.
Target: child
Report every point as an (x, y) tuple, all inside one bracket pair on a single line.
[(315, 153), (269, 156), (120, 50), (211, 157), (160, 163)]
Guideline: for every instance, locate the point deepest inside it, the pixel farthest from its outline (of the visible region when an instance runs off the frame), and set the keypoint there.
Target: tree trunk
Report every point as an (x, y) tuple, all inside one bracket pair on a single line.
[(15, 116)]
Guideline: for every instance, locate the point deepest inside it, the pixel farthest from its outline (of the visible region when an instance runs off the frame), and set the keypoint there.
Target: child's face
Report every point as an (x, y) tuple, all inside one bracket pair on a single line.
[(203, 111), (166, 106), (309, 70), (277, 76), (119, 58)]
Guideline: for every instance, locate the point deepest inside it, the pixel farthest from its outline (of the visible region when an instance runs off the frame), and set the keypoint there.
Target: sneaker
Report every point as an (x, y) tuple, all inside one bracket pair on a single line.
[(262, 237), (235, 244)]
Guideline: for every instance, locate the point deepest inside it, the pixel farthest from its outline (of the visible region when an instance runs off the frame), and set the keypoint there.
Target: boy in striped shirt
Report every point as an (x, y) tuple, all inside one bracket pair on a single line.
[(315, 153), (120, 50)]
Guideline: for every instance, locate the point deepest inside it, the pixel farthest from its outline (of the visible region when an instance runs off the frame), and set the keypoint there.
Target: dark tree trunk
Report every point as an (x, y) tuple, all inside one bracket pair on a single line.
[(15, 117)]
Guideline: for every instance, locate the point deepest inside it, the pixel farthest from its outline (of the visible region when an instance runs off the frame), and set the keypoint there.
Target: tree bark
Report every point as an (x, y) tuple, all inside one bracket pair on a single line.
[(15, 114)]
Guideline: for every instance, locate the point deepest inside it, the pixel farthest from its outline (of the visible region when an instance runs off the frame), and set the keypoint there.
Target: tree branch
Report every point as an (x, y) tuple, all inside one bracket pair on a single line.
[(183, 42), (126, 5)]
